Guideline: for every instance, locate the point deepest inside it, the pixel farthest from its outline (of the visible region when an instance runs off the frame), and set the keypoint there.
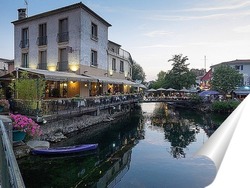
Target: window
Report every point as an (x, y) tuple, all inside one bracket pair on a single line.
[(113, 64), (42, 37), (121, 66), (25, 38), (25, 60), (94, 31), (238, 67), (94, 58), (63, 35), (42, 60), (63, 60)]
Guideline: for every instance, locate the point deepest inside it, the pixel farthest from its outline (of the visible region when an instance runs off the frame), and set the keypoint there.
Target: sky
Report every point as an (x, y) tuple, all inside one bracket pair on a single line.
[(208, 32)]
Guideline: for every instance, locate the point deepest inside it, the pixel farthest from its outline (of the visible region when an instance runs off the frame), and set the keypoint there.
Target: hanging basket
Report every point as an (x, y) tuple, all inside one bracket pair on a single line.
[(18, 135)]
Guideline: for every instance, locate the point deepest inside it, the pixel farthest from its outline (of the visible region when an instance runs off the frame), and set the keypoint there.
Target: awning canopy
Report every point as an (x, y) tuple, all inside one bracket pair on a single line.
[(58, 76), (241, 92), (112, 80), (68, 76)]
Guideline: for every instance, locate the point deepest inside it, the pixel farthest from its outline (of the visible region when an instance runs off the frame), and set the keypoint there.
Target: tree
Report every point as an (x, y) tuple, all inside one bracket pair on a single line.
[(160, 81), (225, 79), (179, 76), (137, 72)]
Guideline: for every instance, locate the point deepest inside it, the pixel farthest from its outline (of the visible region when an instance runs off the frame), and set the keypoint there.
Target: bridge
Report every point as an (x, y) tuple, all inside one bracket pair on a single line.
[(177, 101)]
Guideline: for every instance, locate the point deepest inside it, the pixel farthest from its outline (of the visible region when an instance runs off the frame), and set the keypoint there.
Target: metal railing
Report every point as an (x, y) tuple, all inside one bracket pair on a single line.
[(69, 105), (9, 171), (63, 37), (63, 66), (24, 43), (42, 40)]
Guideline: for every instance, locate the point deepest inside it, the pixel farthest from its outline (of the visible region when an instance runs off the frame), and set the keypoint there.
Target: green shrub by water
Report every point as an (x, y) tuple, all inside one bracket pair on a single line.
[(225, 106)]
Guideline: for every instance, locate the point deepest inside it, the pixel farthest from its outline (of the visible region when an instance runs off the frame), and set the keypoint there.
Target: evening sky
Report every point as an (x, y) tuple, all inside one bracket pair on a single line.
[(155, 30)]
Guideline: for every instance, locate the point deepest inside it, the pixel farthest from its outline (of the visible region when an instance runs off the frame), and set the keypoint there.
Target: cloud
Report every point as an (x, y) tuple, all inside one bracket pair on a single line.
[(158, 33), (185, 18), (243, 29), (160, 46), (228, 7)]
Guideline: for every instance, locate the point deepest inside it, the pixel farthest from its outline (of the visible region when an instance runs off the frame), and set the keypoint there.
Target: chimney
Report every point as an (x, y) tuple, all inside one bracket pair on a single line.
[(21, 13)]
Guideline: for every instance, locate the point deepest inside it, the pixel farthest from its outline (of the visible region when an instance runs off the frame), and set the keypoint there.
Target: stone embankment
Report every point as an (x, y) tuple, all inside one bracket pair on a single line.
[(58, 130)]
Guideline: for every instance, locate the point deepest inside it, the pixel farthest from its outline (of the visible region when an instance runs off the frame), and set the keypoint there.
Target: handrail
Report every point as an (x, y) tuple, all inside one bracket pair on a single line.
[(10, 173), (69, 105)]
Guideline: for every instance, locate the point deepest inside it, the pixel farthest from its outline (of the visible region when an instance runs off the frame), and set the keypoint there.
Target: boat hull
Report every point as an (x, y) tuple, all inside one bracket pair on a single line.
[(64, 150)]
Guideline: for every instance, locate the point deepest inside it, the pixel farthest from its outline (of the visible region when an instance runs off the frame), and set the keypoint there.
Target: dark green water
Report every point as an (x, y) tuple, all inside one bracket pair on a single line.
[(153, 147)]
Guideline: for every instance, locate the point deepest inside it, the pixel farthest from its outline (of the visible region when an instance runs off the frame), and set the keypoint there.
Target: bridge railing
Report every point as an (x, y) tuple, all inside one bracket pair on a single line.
[(9, 171)]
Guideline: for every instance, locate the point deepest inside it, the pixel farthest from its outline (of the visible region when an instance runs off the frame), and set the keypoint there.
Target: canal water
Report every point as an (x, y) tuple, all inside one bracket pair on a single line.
[(152, 147)]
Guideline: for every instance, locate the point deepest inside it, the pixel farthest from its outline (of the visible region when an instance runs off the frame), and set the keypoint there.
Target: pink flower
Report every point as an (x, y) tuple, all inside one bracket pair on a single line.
[(21, 122)]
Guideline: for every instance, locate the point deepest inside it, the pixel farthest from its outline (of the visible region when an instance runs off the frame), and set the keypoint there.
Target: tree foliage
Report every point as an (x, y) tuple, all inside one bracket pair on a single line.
[(225, 79), (138, 72), (179, 76), (160, 81)]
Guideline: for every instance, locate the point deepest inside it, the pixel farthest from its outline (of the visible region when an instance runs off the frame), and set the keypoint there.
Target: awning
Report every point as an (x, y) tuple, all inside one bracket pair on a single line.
[(240, 92), (68, 76), (58, 76), (112, 80)]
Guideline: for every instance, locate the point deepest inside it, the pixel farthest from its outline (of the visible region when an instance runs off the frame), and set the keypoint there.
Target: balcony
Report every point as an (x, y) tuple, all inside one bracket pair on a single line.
[(42, 66), (24, 43), (94, 37), (62, 66), (41, 41), (63, 37)]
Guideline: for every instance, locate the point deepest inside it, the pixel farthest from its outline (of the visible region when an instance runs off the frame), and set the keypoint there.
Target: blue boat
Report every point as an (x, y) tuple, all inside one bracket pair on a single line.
[(64, 150)]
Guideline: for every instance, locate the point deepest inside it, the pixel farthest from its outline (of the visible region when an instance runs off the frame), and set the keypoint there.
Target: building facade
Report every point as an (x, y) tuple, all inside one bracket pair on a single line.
[(243, 66), (72, 39)]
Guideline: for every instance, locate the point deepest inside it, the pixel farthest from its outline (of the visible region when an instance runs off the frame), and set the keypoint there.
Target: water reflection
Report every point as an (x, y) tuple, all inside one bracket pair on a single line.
[(100, 169), (181, 127), (133, 152)]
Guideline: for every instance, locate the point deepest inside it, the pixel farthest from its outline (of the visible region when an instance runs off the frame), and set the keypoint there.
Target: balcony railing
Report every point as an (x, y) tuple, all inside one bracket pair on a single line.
[(94, 37), (42, 66), (122, 53), (63, 37), (41, 41), (63, 66), (24, 43)]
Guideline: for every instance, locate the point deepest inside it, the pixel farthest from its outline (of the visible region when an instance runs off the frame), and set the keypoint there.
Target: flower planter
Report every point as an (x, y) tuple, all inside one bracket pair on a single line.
[(18, 135)]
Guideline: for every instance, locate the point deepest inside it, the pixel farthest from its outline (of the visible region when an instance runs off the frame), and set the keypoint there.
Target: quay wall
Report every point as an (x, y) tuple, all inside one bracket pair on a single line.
[(57, 130)]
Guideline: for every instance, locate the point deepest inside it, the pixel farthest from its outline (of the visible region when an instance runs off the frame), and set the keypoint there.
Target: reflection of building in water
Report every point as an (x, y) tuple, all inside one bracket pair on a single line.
[(116, 172), (109, 172)]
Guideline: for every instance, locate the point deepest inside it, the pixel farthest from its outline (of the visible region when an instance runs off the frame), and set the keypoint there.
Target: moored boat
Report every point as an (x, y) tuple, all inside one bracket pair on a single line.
[(64, 150)]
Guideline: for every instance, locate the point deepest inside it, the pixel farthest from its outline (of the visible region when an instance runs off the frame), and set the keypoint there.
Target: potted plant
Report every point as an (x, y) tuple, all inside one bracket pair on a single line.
[(4, 104), (23, 125)]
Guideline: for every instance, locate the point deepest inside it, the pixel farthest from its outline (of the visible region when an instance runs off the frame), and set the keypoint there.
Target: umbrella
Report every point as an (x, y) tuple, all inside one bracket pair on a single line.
[(170, 89), (184, 90), (209, 92), (151, 90), (161, 89)]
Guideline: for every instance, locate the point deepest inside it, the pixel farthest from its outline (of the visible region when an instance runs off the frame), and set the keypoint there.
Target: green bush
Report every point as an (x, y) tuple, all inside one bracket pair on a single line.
[(224, 106), (196, 99)]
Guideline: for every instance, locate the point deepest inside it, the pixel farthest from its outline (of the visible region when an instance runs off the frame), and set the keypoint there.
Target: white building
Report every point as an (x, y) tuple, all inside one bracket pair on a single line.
[(71, 39), (243, 66)]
